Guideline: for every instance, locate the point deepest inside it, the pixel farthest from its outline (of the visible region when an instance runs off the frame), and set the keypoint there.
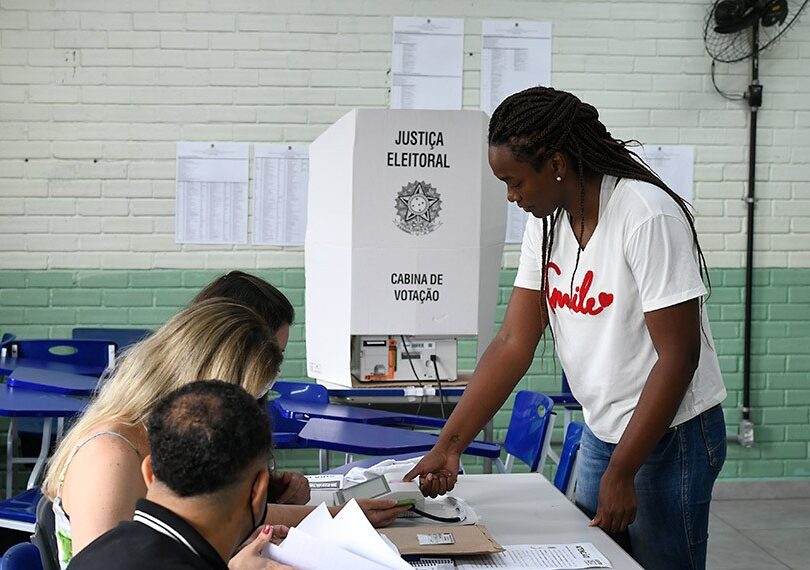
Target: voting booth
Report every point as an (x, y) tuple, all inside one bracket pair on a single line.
[(405, 230)]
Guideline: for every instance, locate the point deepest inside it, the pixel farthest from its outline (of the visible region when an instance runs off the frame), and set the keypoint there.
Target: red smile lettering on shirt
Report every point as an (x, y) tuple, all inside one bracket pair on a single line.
[(579, 302)]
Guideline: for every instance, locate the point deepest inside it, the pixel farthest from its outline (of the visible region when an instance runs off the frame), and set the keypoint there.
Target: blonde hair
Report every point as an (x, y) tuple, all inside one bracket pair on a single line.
[(217, 339)]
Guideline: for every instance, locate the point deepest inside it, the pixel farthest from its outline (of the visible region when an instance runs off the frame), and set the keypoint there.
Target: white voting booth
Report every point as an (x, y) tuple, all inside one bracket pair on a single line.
[(405, 229)]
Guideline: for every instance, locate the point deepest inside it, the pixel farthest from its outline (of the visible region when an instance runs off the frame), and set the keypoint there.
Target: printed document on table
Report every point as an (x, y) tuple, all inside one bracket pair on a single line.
[(427, 61), (515, 55), (280, 177), (549, 556), (674, 164), (212, 193)]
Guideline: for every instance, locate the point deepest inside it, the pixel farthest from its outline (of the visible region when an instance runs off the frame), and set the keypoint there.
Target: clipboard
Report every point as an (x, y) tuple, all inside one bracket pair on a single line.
[(467, 540)]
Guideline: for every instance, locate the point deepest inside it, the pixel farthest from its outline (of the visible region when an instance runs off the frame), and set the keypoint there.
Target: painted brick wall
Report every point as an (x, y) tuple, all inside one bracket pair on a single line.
[(94, 94), (49, 303)]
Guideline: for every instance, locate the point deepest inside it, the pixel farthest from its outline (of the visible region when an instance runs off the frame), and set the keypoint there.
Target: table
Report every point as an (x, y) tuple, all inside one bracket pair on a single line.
[(370, 439), (9, 363), (295, 409), (52, 381), (18, 402), (525, 508)]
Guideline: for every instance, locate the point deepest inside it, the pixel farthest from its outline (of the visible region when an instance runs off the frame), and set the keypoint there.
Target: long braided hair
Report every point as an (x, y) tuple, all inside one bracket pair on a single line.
[(540, 121)]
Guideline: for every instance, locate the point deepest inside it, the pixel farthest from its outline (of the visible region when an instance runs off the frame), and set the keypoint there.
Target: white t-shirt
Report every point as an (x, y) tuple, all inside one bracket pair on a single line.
[(641, 257)]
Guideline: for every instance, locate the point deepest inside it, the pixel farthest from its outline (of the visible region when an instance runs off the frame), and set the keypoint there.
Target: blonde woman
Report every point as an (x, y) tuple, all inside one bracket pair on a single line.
[(94, 478)]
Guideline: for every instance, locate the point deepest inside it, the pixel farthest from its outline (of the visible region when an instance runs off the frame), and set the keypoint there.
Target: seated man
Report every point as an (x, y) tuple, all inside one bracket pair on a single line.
[(207, 479)]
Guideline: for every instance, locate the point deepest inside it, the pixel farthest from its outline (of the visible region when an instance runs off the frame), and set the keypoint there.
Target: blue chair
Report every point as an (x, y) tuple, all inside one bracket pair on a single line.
[(22, 556), (285, 430), (124, 338), (88, 357), (7, 337), (565, 477), (529, 435), (20, 512)]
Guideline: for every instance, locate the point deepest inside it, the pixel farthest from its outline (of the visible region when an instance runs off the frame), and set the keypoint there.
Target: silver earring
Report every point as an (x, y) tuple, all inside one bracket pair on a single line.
[(559, 179)]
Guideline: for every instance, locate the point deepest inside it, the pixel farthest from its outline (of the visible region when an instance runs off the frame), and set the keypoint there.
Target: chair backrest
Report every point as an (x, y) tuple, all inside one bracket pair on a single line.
[(68, 351), (302, 391), (23, 556), (7, 337), (565, 469), (124, 338), (45, 534), (529, 428)]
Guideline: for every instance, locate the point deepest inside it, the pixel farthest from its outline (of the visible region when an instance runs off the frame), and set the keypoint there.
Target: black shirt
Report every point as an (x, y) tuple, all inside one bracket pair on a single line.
[(155, 535)]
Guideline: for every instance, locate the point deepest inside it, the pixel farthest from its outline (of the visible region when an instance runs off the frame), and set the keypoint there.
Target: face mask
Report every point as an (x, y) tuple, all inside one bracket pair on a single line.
[(254, 522)]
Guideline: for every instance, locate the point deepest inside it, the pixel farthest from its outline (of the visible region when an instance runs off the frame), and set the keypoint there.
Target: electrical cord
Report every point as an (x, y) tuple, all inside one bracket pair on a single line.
[(435, 517), (415, 375), (723, 93), (439, 384)]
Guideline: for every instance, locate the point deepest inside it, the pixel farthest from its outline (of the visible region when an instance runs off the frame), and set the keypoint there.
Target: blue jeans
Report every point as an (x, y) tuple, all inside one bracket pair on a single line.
[(673, 491)]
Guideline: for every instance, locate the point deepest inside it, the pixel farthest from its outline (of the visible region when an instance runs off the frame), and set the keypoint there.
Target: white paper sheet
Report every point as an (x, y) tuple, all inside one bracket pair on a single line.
[(305, 552), (427, 61), (674, 164), (281, 173), (346, 542), (515, 55), (549, 556), (212, 193)]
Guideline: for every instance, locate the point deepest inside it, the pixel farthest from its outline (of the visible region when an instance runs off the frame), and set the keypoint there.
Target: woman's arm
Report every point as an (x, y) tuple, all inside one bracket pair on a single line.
[(675, 332), (102, 485), (503, 364)]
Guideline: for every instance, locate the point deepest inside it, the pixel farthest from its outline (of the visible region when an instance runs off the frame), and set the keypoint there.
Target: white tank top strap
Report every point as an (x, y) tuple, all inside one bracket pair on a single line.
[(85, 441), (64, 538)]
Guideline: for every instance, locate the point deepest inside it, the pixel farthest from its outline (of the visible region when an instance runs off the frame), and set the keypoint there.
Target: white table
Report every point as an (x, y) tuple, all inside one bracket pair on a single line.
[(525, 508)]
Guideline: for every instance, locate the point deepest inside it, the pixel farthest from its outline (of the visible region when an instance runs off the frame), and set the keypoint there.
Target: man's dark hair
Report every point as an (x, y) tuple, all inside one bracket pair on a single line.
[(254, 292), (203, 435)]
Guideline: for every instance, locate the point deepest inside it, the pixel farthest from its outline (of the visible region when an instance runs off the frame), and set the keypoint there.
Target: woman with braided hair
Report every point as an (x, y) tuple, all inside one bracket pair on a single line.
[(612, 267)]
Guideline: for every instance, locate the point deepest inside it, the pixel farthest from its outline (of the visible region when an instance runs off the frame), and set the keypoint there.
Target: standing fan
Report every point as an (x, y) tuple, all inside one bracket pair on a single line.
[(736, 30)]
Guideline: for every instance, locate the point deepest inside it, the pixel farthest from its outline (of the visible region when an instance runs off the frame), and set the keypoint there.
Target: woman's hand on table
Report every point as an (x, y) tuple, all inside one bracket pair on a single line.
[(617, 502), (437, 472)]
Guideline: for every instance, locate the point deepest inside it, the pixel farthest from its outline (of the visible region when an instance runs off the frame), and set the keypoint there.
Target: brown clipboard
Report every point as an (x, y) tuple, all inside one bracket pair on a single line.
[(468, 540)]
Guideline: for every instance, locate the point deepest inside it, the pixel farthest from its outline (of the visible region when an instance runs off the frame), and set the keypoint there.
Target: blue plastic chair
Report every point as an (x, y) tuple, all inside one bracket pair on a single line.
[(565, 477), (88, 357), (22, 556), (529, 435), (123, 338), (285, 430), (20, 512)]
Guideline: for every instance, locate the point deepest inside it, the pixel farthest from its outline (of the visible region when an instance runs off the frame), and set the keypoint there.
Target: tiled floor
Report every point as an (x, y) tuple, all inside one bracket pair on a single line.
[(759, 534)]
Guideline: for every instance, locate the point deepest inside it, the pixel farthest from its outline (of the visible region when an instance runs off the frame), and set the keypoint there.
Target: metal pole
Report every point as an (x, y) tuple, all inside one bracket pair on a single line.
[(754, 97)]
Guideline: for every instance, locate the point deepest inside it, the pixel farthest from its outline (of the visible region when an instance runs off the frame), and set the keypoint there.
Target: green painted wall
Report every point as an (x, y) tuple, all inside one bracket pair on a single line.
[(49, 303)]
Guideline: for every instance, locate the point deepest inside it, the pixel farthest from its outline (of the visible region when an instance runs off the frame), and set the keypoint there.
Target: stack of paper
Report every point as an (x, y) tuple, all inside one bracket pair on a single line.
[(346, 542)]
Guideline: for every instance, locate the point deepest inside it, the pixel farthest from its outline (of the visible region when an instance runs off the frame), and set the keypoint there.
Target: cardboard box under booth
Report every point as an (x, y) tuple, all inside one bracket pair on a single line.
[(403, 246)]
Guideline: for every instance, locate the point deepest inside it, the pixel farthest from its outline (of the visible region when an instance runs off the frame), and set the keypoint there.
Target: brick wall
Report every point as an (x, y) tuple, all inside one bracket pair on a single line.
[(49, 303), (94, 94)]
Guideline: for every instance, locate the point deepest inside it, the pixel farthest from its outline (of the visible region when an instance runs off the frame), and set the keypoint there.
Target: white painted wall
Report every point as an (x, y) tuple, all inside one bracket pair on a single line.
[(94, 94)]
